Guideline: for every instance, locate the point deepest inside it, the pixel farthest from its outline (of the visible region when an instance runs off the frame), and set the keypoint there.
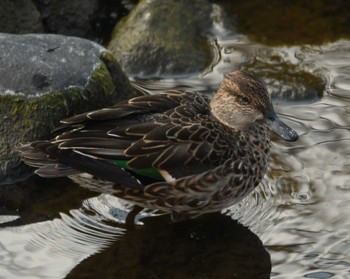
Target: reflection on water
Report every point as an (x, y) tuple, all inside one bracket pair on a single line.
[(54, 229), (213, 246), (91, 241)]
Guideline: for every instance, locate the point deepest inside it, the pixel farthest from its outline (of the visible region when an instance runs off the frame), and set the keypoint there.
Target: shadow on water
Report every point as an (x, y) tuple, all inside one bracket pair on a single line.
[(38, 200), (77, 232), (213, 246)]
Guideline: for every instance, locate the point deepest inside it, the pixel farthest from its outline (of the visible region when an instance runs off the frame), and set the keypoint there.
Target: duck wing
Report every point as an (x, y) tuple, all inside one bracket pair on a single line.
[(172, 132)]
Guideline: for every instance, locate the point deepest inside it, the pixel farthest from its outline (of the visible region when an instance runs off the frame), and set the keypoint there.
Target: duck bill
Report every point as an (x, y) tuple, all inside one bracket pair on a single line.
[(280, 128)]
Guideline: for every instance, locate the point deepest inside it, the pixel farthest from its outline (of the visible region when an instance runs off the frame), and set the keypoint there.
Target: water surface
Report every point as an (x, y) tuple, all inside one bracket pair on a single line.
[(295, 225)]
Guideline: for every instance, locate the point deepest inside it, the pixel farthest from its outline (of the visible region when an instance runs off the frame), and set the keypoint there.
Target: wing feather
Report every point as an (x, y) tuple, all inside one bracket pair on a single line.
[(171, 131)]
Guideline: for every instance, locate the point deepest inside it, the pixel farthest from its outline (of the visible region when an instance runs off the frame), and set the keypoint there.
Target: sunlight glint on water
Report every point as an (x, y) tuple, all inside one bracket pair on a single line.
[(308, 210), (300, 211), (304, 201)]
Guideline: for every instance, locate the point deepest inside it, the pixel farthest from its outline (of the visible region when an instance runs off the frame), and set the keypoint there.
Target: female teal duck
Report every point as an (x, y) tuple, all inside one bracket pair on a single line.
[(178, 151)]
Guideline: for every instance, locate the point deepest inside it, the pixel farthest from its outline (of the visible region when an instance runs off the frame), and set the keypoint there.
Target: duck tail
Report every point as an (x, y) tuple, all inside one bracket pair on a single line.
[(39, 154)]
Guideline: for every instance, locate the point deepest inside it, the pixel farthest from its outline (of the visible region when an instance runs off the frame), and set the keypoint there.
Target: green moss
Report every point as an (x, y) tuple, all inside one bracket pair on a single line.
[(46, 111), (169, 37), (23, 120)]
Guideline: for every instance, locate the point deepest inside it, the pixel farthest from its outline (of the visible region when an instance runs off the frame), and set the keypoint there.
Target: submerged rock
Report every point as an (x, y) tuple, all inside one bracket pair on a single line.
[(44, 78), (165, 38), (289, 75), (287, 82)]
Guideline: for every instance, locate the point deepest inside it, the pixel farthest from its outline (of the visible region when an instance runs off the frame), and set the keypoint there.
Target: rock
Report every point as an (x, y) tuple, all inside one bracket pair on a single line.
[(68, 17), (289, 75), (286, 80), (19, 17), (92, 19), (44, 78), (165, 38)]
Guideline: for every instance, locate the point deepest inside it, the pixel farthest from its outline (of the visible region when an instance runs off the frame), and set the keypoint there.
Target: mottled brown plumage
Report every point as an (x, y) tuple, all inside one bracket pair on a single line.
[(205, 154)]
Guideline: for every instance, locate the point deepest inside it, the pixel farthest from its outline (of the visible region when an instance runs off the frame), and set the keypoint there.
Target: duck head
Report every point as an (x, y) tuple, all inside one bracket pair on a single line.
[(242, 99)]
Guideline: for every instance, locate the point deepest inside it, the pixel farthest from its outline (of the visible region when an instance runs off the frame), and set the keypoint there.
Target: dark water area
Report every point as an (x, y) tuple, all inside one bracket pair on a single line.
[(296, 224), (86, 234), (280, 22)]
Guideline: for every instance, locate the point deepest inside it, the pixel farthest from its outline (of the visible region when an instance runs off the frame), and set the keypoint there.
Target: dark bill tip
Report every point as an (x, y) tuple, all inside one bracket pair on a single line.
[(280, 128)]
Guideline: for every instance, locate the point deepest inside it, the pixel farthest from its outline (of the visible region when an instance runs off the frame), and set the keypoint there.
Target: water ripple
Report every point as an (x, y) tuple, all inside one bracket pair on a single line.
[(300, 211), (37, 249)]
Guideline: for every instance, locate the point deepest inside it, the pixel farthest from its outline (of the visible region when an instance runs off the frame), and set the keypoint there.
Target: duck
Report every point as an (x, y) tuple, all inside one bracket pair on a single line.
[(178, 152)]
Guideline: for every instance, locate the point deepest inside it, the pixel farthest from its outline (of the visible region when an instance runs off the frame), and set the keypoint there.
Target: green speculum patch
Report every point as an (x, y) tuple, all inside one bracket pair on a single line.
[(148, 172)]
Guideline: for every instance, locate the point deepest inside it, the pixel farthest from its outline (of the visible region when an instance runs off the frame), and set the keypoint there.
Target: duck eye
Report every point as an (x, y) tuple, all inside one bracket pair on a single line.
[(243, 99)]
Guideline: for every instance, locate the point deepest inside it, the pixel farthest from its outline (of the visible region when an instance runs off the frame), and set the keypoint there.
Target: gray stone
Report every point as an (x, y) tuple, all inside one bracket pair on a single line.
[(165, 38), (34, 65), (44, 78), (19, 17)]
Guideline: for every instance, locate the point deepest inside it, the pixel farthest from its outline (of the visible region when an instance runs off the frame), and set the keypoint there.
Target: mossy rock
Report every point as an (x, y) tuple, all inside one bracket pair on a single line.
[(44, 78), (164, 38), (285, 81)]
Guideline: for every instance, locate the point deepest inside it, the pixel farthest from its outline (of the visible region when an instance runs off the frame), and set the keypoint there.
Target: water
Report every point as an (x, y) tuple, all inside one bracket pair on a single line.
[(296, 223)]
